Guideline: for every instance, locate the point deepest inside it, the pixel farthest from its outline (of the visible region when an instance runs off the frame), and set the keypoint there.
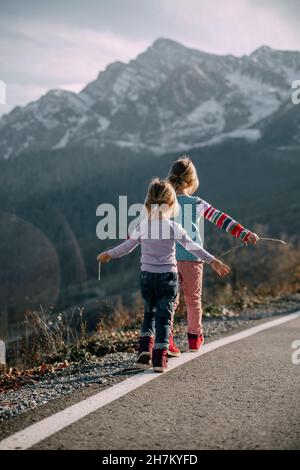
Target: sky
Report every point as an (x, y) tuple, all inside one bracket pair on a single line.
[(66, 43)]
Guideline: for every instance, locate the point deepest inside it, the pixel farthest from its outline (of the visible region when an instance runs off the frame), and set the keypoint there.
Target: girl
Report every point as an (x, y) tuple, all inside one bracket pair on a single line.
[(184, 179), (157, 235)]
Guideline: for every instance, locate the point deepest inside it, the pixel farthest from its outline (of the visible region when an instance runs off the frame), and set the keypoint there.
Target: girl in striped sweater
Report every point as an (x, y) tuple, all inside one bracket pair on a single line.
[(184, 179)]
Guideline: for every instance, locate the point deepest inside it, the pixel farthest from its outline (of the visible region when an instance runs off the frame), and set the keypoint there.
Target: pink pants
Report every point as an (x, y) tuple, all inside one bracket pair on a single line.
[(190, 275)]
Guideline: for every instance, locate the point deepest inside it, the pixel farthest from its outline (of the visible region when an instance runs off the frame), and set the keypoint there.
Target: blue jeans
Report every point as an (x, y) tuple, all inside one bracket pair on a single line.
[(159, 291)]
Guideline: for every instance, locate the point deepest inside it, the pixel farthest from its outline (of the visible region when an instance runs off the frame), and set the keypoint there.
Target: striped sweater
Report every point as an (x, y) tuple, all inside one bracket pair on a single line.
[(191, 210), (225, 222)]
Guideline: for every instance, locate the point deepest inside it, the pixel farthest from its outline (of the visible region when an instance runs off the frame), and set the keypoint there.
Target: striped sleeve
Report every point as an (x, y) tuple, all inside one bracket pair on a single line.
[(223, 221)]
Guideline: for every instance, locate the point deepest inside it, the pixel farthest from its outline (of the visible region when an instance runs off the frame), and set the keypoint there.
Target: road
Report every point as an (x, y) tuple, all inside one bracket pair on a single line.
[(243, 395)]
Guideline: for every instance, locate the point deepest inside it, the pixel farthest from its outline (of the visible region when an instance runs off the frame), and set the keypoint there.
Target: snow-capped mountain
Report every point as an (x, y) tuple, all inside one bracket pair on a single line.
[(282, 128), (169, 98)]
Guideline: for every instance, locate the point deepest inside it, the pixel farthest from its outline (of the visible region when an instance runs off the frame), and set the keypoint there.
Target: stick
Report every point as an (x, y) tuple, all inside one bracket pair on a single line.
[(276, 240), (99, 270), (231, 249), (273, 240)]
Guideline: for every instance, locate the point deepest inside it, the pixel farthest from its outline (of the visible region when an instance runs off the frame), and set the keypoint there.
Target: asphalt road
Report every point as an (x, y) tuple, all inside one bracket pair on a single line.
[(245, 395)]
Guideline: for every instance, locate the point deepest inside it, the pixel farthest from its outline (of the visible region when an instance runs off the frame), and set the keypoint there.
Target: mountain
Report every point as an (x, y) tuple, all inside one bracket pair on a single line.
[(282, 128), (170, 98)]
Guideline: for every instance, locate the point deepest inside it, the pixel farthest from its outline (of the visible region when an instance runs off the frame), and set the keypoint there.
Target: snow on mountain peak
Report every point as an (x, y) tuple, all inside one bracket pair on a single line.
[(262, 50), (162, 44), (169, 98)]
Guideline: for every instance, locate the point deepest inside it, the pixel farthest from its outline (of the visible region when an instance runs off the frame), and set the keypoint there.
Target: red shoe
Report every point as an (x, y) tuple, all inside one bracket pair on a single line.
[(195, 342), (173, 350), (159, 360), (146, 344)]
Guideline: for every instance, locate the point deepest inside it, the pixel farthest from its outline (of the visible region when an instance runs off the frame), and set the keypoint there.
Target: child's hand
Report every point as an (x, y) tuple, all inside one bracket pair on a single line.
[(220, 268), (103, 257), (253, 238)]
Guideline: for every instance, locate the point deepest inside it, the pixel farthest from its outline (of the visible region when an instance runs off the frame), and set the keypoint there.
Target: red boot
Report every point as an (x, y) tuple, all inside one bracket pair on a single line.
[(195, 342), (159, 360), (146, 344), (173, 350)]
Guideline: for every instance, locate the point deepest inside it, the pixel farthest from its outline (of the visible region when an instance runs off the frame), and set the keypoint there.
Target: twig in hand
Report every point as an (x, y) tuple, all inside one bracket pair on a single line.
[(276, 240), (273, 240)]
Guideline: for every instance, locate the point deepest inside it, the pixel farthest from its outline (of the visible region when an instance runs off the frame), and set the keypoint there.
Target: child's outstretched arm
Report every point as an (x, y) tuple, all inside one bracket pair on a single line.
[(122, 249), (225, 222), (182, 237)]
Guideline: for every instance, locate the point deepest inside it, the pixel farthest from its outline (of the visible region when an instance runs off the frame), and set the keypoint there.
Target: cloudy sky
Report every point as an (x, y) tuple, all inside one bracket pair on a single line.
[(65, 43)]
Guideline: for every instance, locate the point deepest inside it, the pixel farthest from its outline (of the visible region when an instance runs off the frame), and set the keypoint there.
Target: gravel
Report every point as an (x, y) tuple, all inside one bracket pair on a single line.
[(104, 371), (112, 368)]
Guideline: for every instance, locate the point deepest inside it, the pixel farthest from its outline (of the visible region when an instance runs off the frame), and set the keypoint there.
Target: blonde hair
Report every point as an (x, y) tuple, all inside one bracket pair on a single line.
[(161, 197), (183, 175)]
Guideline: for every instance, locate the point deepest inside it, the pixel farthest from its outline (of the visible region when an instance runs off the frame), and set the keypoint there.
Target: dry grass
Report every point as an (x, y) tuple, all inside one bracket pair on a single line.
[(268, 270), (45, 335), (53, 338), (53, 342)]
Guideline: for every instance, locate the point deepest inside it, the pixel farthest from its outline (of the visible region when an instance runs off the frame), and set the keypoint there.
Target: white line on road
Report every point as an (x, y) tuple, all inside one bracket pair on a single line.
[(45, 428)]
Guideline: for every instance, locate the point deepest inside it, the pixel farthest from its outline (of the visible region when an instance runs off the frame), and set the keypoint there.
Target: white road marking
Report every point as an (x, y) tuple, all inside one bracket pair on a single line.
[(45, 428)]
